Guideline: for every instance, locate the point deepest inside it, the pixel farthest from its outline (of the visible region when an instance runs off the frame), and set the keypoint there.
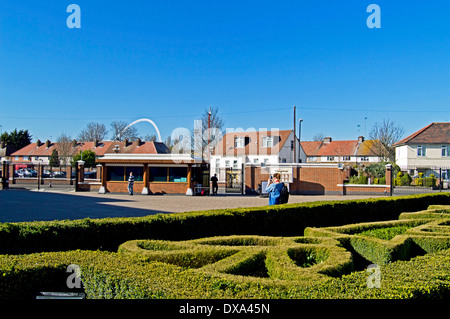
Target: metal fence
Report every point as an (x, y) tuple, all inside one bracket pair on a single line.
[(421, 179)]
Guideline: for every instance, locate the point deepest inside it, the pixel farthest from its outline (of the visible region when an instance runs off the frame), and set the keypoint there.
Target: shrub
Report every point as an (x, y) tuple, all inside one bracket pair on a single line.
[(280, 220)]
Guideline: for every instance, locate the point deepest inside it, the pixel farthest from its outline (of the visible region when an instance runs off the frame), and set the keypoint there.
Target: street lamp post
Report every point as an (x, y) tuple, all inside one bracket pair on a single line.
[(299, 139)]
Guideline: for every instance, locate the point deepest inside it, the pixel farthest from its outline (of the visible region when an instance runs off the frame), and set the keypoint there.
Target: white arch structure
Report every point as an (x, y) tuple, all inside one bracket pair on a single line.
[(142, 120)]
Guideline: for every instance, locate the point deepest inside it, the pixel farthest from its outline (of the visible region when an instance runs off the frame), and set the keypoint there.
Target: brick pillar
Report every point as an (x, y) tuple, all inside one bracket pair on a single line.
[(189, 176), (12, 179), (69, 174), (145, 190), (81, 171), (102, 189), (99, 172), (389, 186)]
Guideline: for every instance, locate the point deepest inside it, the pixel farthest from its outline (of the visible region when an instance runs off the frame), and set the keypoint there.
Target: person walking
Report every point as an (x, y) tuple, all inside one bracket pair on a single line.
[(130, 183), (274, 187), (215, 186)]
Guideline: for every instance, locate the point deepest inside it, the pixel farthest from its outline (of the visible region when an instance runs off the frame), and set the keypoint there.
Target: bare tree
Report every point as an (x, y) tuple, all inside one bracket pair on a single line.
[(388, 133), (318, 137), (119, 134), (211, 127), (64, 148), (93, 131)]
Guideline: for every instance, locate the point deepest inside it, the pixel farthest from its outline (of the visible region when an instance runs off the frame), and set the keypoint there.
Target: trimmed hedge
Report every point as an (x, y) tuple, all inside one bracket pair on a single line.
[(112, 275), (278, 258), (414, 236), (281, 220)]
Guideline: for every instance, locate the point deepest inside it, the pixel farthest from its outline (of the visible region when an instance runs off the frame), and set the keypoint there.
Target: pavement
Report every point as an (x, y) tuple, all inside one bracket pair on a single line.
[(32, 205)]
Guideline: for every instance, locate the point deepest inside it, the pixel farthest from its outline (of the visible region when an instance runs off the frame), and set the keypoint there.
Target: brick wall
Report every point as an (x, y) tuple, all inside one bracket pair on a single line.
[(306, 180), (154, 188), (318, 180)]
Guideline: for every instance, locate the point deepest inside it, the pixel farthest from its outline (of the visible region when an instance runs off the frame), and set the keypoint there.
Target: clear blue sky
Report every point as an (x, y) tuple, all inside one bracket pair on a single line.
[(171, 60)]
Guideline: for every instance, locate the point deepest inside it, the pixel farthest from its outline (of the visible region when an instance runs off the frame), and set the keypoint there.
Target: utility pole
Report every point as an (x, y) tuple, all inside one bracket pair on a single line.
[(209, 134)]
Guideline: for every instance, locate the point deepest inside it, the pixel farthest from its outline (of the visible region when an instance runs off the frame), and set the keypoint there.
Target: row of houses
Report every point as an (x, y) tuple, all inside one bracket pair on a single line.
[(153, 164)]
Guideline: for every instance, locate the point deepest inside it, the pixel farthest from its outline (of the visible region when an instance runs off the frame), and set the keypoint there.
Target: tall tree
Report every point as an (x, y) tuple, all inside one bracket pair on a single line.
[(118, 134), (16, 139), (93, 131), (65, 148), (211, 128), (388, 133), (54, 159)]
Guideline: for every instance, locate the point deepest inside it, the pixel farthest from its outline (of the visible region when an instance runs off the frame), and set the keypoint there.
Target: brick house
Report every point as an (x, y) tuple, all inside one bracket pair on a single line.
[(425, 151), (348, 153), (254, 148)]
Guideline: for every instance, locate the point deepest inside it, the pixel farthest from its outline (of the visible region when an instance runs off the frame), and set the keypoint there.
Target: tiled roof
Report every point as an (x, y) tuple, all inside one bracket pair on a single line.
[(341, 148), (333, 148), (434, 133), (253, 142), (102, 148)]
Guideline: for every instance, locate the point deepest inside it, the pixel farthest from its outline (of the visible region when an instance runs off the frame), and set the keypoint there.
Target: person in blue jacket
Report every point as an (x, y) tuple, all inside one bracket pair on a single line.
[(274, 187)]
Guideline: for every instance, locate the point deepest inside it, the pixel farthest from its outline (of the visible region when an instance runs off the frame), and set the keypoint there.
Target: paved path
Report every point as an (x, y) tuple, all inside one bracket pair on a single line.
[(23, 205)]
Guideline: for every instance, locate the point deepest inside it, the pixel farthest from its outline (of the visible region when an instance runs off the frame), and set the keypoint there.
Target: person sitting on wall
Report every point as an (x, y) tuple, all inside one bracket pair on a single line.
[(274, 187)]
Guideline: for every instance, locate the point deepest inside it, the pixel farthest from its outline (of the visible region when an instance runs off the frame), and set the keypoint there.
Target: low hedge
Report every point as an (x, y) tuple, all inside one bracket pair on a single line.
[(112, 275), (408, 237), (276, 258), (281, 220)]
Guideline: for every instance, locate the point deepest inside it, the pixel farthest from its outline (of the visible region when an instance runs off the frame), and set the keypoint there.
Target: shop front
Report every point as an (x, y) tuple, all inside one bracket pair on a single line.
[(153, 174)]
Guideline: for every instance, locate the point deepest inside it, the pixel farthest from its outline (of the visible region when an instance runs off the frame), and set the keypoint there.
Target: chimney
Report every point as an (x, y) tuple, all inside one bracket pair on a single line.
[(125, 142), (360, 139), (47, 143), (138, 142), (96, 143), (74, 143), (327, 139), (38, 143)]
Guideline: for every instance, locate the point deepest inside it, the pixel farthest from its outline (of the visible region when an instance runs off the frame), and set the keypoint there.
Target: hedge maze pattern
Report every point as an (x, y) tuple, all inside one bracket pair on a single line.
[(323, 252)]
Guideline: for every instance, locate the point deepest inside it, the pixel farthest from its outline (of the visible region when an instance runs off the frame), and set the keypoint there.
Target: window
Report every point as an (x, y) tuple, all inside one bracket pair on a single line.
[(346, 158), (177, 174), (266, 161), (168, 174), (235, 164), (121, 173), (25, 158), (227, 164), (292, 145), (16, 158), (158, 174), (36, 158), (445, 151), (138, 173), (255, 161), (217, 162), (364, 159), (312, 159), (330, 158), (115, 173), (421, 150), (267, 141), (239, 142)]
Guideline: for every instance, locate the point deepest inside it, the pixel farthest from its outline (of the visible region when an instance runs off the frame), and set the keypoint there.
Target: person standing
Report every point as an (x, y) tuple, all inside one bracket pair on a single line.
[(274, 187), (130, 183), (215, 186)]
